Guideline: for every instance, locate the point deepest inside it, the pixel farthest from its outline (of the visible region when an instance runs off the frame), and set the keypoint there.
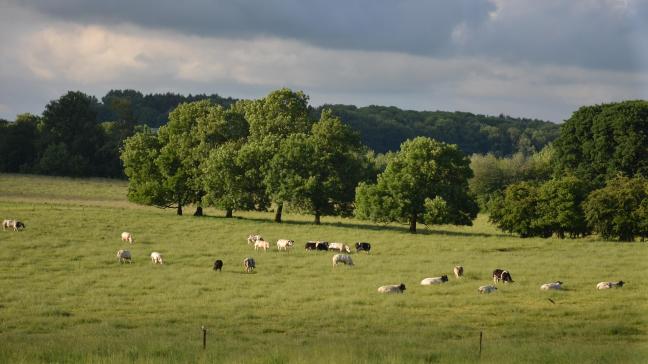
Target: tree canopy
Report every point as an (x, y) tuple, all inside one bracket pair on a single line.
[(415, 179)]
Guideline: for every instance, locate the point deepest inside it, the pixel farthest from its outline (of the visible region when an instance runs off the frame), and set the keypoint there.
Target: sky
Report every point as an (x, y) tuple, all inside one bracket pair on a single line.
[(524, 58)]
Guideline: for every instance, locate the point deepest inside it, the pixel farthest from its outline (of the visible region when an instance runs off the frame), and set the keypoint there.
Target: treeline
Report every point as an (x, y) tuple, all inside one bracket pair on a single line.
[(383, 129), (592, 180), (270, 154), (78, 135)]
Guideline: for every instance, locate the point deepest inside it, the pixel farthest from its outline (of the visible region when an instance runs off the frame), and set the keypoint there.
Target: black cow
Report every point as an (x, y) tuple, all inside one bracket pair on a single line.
[(362, 246), (502, 275), (310, 245), (322, 245), (218, 265)]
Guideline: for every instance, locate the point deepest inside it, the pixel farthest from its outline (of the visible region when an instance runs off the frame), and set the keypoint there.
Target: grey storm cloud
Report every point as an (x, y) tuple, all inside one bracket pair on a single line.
[(413, 26), (590, 33)]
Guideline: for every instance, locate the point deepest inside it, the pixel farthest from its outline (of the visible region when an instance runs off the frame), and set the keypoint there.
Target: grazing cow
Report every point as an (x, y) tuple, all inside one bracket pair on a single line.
[(435, 280), (487, 289), (249, 264), (310, 245), (126, 236), (261, 244), (13, 224), (362, 246), (253, 238), (284, 244), (557, 285), (342, 258), (458, 271), (124, 255), (322, 245), (502, 275), (218, 265), (394, 288), (607, 285), (341, 247), (156, 258)]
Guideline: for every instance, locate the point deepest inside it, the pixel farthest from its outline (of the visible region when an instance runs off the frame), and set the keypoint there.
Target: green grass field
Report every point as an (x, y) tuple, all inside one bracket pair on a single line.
[(65, 298)]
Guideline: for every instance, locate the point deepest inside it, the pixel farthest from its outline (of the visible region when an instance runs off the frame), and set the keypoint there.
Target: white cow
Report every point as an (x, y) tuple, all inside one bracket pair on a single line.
[(607, 285), (487, 289), (435, 280), (557, 285), (458, 271), (342, 258), (124, 255), (126, 236), (341, 247), (393, 288), (261, 244), (253, 239), (156, 258), (284, 244)]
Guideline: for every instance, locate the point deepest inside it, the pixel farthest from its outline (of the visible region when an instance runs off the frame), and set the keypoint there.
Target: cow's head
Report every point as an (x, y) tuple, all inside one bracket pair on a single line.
[(621, 283), (444, 278), (401, 287), (506, 277)]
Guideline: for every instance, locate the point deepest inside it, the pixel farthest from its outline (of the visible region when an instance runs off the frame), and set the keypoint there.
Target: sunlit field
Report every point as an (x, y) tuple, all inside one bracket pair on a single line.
[(64, 297)]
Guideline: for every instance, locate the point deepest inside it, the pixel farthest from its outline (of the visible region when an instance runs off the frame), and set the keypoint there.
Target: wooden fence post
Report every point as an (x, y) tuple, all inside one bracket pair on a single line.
[(204, 330), (481, 335)]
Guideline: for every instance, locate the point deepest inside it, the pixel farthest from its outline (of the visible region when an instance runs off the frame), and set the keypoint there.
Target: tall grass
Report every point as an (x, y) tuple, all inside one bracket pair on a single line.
[(65, 298)]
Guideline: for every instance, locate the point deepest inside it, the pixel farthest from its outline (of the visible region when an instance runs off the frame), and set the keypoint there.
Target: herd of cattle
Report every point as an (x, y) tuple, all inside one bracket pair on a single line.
[(249, 264)]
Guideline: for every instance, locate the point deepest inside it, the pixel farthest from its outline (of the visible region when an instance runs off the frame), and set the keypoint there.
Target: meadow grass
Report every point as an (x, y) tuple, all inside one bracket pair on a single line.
[(65, 298)]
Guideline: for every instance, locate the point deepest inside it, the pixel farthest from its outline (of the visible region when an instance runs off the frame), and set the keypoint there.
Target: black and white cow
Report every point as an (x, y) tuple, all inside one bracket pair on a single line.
[(249, 264), (502, 275), (310, 245), (362, 246)]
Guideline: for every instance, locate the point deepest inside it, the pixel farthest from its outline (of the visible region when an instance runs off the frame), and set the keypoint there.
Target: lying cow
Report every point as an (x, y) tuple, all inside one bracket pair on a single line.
[(458, 271), (342, 258), (284, 244), (126, 236), (487, 289), (156, 258), (253, 238), (218, 265), (261, 244), (249, 264), (341, 247), (435, 280), (557, 285), (502, 275), (394, 288), (12, 224), (310, 245), (124, 255), (362, 246), (608, 285)]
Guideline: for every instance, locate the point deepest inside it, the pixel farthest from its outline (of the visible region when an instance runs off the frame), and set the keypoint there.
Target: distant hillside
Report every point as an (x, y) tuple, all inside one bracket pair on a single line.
[(382, 128)]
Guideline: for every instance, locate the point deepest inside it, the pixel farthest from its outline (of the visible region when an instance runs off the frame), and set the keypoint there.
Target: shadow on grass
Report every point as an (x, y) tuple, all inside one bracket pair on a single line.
[(372, 227)]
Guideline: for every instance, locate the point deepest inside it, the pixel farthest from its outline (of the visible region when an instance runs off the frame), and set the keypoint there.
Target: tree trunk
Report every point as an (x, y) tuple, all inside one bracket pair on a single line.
[(278, 213), (228, 213), (412, 227), (317, 218), (179, 210), (199, 211)]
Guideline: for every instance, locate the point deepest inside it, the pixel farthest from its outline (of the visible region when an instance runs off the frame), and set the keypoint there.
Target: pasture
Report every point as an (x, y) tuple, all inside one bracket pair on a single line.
[(65, 298)]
